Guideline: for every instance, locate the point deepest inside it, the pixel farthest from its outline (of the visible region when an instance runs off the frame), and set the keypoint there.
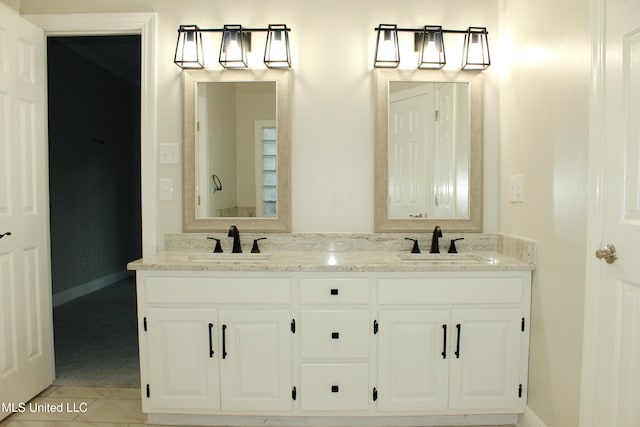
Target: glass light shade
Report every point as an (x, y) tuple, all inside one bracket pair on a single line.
[(234, 46), (387, 50), (431, 48), (189, 47), (475, 55), (276, 51)]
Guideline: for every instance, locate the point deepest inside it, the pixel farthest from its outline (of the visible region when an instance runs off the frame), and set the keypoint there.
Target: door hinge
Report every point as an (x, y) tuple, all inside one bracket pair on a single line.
[(293, 326), (144, 324), (148, 391), (522, 325), (375, 327), (294, 393), (198, 126), (520, 391), (375, 394), (437, 115)]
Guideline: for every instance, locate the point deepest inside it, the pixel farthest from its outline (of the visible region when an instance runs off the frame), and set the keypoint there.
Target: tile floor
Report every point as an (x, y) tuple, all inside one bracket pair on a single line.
[(84, 407)]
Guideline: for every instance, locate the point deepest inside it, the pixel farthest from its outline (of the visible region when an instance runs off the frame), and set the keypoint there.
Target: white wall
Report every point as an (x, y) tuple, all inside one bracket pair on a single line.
[(332, 43), (544, 90)]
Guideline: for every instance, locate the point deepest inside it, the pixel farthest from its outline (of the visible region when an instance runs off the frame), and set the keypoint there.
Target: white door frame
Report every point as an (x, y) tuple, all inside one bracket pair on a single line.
[(595, 208), (143, 23)]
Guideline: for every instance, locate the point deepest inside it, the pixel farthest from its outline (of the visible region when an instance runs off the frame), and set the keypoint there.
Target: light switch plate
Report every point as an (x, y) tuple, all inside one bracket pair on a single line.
[(516, 188), (169, 154), (165, 190)]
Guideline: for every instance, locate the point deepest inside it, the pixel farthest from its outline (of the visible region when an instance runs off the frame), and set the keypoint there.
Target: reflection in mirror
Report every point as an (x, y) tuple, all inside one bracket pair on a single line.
[(428, 155), (236, 150), (236, 155), (428, 139)]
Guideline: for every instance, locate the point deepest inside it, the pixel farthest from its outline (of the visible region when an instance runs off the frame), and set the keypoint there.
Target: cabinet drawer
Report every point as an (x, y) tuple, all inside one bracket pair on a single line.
[(335, 333), (334, 291), (219, 290), (450, 290), (335, 387)]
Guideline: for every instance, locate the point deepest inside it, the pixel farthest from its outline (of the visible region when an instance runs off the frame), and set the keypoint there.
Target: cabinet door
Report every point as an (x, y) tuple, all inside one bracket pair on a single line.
[(255, 367), (413, 366), (485, 371), (183, 358)]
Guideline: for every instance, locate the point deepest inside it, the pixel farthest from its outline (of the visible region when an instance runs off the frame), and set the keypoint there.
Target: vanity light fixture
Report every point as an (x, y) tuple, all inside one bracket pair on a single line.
[(236, 43), (387, 50), (475, 54), (189, 47), (276, 50), (429, 42), (234, 47), (431, 45)]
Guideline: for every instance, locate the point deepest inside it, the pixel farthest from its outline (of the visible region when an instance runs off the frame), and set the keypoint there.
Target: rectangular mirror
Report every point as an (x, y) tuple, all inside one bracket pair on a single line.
[(428, 154), (236, 161)]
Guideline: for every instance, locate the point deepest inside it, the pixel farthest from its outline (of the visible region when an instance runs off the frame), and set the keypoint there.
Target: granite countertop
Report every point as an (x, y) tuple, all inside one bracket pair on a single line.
[(328, 261)]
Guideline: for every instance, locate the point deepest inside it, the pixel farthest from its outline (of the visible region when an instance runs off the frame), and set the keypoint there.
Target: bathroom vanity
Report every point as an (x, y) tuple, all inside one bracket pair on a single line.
[(298, 338)]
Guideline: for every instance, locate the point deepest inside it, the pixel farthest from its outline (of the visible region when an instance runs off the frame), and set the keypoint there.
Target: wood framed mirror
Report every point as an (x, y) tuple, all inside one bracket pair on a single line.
[(236, 163), (428, 151)]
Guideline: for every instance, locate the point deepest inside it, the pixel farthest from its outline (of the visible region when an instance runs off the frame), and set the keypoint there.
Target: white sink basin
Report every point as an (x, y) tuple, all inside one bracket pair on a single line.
[(230, 257), (441, 258)]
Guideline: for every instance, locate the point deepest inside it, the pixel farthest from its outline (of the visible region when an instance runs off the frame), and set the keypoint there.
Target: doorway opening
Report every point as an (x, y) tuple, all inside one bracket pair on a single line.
[(95, 205)]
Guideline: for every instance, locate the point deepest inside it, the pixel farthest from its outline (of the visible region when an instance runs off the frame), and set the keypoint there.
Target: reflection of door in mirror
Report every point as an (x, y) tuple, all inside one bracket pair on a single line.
[(231, 167), (428, 143)]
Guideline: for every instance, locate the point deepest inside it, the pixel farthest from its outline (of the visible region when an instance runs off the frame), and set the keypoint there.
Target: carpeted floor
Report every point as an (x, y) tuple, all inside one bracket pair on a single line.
[(96, 338)]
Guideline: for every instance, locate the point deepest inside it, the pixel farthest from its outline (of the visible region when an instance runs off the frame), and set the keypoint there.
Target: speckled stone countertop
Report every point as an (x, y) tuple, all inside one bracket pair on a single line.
[(343, 253), (307, 261)]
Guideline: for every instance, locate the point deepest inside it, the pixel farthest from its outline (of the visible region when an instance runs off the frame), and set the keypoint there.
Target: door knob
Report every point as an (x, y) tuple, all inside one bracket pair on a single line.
[(608, 253), (8, 233)]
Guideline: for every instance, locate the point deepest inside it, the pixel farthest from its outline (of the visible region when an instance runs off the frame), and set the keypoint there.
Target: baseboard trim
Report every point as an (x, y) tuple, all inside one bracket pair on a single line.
[(530, 419), (67, 295)]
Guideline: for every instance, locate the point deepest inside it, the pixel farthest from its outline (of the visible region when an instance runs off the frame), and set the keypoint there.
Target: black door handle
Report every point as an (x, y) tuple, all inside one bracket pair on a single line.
[(210, 339), (458, 343), (224, 341), (8, 233), (444, 341)]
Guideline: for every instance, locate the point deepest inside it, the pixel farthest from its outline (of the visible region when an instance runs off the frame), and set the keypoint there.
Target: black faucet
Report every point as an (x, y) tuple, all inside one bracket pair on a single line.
[(233, 232), (435, 247)]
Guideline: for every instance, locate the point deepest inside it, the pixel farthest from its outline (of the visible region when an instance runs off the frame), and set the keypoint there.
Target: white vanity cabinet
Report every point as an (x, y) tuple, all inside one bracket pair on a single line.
[(255, 359), (222, 348), (334, 343), (181, 361), (453, 342), (214, 343)]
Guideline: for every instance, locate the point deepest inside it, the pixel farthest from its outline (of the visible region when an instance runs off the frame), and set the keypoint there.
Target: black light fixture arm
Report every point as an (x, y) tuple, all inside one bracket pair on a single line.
[(421, 30), (222, 30)]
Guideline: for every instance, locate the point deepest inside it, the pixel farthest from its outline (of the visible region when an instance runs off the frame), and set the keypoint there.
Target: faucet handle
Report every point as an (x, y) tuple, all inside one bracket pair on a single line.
[(218, 248), (255, 249), (452, 247), (416, 248)]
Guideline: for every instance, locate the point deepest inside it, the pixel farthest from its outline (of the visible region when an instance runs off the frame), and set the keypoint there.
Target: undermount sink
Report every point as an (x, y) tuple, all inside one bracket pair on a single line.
[(441, 258), (229, 257)]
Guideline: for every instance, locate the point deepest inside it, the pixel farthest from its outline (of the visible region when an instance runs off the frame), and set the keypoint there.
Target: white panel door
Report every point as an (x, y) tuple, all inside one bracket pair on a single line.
[(486, 359), (413, 366), (409, 135), (26, 354), (611, 384), (184, 356), (255, 369)]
